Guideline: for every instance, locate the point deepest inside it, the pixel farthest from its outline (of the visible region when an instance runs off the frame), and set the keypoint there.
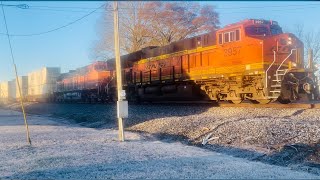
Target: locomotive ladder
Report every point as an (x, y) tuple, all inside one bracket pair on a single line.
[(275, 88)]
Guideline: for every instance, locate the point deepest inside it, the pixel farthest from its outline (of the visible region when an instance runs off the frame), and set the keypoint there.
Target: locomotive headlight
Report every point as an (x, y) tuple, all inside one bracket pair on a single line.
[(294, 64), (289, 41)]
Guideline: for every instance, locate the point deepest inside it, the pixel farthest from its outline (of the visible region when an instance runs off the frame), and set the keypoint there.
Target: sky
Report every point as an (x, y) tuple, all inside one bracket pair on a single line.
[(71, 47)]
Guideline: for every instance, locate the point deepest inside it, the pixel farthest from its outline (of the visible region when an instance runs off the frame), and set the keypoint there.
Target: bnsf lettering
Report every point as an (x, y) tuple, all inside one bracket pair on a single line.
[(162, 64), (155, 66)]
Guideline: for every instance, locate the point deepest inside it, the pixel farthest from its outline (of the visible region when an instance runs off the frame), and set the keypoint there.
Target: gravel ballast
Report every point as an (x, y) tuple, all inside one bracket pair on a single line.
[(62, 150)]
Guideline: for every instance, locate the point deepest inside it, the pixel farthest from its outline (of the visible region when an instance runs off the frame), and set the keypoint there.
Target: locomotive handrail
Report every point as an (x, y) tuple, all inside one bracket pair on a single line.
[(274, 60), (106, 88), (285, 59)]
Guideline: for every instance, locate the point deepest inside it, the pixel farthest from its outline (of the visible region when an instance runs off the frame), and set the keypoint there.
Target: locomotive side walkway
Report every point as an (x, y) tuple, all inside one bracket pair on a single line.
[(64, 150)]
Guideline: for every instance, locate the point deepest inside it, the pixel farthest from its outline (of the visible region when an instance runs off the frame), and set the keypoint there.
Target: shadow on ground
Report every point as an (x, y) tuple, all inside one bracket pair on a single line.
[(104, 115), (305, 157)]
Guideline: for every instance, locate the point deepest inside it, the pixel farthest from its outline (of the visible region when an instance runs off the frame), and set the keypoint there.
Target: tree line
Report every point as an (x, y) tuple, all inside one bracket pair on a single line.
[(144, 24)]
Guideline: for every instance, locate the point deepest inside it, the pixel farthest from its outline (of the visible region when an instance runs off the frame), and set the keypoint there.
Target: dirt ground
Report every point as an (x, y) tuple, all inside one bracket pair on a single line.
[(285, 137)]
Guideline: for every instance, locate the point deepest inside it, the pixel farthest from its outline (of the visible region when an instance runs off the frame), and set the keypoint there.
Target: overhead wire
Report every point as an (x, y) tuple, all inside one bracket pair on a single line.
[(58, 28), (273, 10), (241, 7), (16, 73), (56, 8), (126, 13), (80, 11), (63, 8)]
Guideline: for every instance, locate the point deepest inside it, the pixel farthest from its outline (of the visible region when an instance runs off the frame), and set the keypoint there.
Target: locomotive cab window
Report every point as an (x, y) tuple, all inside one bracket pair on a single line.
[(275, 29), (226, 37), (229, 36), (237, 35), (257, 31), (232, 36), (220, 38), (100, 67)]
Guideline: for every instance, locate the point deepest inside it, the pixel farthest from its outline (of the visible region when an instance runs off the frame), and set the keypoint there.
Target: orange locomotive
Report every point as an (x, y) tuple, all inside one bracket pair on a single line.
[(89, 83), (92, 83), (252, 60)]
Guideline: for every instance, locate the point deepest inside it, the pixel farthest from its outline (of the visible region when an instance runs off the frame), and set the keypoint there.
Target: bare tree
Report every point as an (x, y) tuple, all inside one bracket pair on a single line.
[(168, 22), (143, 24), (131, 29), (311, 40)]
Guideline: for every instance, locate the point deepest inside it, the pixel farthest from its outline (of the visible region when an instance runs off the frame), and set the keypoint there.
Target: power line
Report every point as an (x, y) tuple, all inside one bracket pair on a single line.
[(243, 7), (107, 8), (258, 7), (274, 10), (55, 29), (22, 6), (62, 8), (125, 13), (71, 11)]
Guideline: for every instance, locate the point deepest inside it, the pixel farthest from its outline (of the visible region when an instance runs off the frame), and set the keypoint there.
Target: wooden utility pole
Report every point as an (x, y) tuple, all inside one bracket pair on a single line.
[(122, 105), (16, 73)]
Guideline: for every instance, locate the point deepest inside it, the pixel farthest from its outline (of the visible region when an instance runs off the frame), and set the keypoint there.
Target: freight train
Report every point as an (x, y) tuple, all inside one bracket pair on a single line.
[(250, 60)]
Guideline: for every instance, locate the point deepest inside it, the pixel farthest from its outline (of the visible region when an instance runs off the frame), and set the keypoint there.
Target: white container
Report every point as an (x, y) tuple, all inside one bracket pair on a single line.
[(4, 90), (23, 81), (42, 83), (12, 90)]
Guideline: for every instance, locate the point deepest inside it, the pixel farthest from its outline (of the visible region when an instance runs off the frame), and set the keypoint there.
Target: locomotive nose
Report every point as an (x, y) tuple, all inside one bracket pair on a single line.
[(289, 47), (289, 40)]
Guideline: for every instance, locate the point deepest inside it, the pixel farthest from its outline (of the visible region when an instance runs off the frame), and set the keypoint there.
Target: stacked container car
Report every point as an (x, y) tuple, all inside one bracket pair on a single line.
[(23, 81), (8, 91), (42, 83), (4, 92), (12, 90)]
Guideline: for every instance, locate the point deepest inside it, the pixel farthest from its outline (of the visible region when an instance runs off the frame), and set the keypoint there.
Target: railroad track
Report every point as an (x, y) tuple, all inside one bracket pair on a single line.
[(275, 105), (303, 105)]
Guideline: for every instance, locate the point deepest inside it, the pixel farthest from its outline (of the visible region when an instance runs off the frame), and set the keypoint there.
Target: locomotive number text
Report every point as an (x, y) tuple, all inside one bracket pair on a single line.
[(232, 51)]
